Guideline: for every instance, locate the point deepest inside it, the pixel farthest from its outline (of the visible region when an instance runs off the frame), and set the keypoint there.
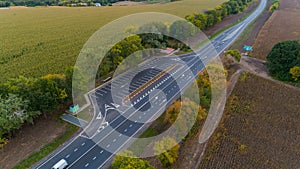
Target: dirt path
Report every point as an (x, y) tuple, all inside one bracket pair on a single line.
[(257, 67), (30, 139), (247, 64)]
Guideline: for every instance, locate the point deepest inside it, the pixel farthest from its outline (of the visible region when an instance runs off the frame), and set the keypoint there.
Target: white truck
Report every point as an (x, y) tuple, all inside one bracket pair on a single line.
[(62, 164)]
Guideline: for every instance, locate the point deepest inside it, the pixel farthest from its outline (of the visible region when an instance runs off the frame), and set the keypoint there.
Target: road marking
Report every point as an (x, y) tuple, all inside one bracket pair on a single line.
[(82, 144), (108, 107), (138, 82), (98, 92), (99, 116), (86, 165), (75, 149), (108, 146), (64, 149), (94, 158), (68, 156), (114, 140), (101, 151), (253, 15), (116, 105), (125, 130)]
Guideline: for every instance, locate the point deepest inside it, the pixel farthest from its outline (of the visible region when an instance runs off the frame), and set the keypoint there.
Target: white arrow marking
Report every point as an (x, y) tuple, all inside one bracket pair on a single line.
[(99, 116), (108, 107), (116, 105)]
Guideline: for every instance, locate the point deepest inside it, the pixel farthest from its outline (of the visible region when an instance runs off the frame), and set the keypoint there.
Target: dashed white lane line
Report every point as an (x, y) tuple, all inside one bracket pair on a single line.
[(94, 158), (108, 146), (120, 135), (68, 156), (75, 149), (125, 130), (101, 151), (82, 144), (130, 125), (86, 165), (114, 140)]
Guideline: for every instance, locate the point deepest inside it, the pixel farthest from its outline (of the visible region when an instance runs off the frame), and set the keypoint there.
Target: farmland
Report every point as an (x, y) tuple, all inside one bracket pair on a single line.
[(259, 129), (281, 26), (43, 40)]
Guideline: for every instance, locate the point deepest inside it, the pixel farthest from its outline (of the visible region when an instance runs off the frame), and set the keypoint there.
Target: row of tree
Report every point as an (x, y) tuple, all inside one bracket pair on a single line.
[(23, 99), (211, 17), (55, 2), (4, 3), (131, 44)]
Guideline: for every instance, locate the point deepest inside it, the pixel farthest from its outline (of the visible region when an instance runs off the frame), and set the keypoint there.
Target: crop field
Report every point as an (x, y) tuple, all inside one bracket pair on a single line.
[(281, 26), (259, 129), (43, 40)]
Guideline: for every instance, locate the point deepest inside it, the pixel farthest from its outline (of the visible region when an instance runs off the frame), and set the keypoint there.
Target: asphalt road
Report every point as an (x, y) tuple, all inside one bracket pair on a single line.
[(116, 120)]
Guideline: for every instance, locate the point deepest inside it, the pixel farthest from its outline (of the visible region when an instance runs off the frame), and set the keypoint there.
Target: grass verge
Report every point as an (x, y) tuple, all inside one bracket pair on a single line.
[(245, 34), (149, 132)]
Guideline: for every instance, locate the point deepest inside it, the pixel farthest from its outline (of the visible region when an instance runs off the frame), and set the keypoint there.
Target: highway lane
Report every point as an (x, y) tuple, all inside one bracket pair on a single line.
[(129, 126), (81, 151), (72, 152)]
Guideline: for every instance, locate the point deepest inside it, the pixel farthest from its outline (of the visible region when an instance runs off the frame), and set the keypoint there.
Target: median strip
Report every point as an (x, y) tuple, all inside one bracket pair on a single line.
[(148, 83)]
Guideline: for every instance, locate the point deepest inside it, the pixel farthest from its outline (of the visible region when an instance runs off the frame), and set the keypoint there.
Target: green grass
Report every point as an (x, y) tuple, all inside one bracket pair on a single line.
[(245, 34), (136, 148), (150, 132), (39, 41), (47, 149), (86, 114)]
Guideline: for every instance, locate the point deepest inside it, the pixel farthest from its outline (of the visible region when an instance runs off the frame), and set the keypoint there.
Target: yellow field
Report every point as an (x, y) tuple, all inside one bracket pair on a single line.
[(42, 40)]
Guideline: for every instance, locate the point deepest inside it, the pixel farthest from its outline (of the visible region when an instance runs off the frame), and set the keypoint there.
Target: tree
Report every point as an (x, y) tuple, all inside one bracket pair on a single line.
[(4, 4), (283, 57), (199, 20), (274, 6), (212, 18), (43, 94), (181, 30), (167, 151), (233, 7), (14, 113), (61, 82), (157, 39), (295, 72), (127, 160), (234, 53), (123, 49)]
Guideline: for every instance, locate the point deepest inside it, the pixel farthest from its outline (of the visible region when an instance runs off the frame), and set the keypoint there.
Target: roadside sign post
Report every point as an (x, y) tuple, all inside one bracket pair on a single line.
[(74, 108)]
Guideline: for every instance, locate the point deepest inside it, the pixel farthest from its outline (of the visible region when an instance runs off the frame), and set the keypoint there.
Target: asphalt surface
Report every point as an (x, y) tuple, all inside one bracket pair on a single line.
[(117, 119), (74, 120)]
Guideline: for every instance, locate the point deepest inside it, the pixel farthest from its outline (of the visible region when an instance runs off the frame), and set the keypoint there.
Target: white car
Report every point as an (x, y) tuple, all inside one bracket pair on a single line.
[(62, 164)]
